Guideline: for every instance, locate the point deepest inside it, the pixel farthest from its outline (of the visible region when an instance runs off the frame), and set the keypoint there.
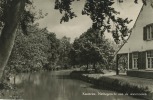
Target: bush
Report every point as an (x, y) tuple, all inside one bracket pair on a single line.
[(111, 84)]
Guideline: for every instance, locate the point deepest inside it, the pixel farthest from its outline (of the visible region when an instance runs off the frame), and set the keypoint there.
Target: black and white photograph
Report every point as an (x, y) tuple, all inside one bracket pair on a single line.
[(76, 49)]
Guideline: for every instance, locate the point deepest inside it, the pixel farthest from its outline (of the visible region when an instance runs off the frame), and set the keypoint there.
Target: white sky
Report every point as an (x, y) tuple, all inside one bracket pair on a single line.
[(75, 27)]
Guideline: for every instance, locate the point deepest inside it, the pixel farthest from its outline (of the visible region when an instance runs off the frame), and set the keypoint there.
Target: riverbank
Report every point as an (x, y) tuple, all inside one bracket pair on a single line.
[(9, 91), (132, 86)]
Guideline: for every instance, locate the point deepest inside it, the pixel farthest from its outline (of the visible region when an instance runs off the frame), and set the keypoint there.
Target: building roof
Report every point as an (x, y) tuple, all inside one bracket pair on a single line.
[(135, 41)]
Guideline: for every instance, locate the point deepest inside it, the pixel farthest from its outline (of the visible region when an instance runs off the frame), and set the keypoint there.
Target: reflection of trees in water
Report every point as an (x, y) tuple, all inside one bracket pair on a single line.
[(56, 86), (50, 87), (19, 79)]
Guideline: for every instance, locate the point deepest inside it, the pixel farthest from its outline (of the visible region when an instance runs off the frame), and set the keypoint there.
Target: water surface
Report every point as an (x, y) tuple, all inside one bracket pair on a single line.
[(59, 86)]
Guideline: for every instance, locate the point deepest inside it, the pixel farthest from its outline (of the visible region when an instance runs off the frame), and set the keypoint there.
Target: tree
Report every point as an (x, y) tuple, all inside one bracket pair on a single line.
[(101, 13), (30, 53), (11, 12), (53, 52), (64, 49), (92, 48), (74, 53)]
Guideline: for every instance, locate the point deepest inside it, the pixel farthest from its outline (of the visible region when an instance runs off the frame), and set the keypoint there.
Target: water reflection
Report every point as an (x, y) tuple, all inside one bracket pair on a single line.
[(58, 86)]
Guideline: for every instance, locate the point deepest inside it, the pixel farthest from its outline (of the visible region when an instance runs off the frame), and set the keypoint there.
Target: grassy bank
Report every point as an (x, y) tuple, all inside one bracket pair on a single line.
[(8, 91), (115, 83)]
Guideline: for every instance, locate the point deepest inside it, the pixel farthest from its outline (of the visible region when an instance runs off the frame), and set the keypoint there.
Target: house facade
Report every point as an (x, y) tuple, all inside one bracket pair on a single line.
[(139, 47)]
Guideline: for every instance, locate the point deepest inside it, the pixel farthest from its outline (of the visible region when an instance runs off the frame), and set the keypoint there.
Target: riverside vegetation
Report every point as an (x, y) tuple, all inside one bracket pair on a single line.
[(34, 52), (40, 50), (113, 83), (21, 14)]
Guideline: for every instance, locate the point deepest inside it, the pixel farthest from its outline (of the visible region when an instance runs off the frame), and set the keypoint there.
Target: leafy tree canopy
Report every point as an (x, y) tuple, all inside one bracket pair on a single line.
[(28, 17), (32, 52), (101, 13), (64, 49), (91, 48)]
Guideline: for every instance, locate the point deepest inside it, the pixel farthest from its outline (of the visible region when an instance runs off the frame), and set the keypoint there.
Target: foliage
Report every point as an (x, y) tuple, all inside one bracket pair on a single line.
[(5, 8), (53, 52), (64, 7), (37, 51), (92, 48), (144, 1), (101, 13), (64, 49), (31, 53), (28, 17)]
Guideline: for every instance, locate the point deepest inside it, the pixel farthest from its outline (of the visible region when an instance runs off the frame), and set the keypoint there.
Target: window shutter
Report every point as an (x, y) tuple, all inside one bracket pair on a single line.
[(130, 60), (143, 57), (152, 31), (140, 60), (144, 33)]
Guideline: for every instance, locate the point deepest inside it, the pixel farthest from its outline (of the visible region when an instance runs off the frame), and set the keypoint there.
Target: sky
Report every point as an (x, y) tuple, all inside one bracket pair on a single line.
[(75, 27)]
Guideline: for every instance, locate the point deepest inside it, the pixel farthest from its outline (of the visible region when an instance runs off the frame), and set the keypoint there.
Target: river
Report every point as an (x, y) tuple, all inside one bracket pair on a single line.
[(59, 86)]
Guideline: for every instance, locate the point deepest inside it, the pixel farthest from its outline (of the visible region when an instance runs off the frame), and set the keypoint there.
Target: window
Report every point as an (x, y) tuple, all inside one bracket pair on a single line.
[(148, 32), (149, 59), (135, 60)]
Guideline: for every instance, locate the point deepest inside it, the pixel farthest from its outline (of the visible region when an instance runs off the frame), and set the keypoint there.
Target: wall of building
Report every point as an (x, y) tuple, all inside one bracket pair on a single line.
[(141, 74), (136, 42)]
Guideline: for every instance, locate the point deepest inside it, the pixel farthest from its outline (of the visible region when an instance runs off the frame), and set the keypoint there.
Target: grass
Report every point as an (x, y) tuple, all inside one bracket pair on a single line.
[(120, 83), (141, 82), (124, 87)]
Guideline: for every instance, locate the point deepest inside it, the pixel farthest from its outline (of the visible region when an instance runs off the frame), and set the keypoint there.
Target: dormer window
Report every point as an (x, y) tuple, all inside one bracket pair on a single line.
[(148, 32)]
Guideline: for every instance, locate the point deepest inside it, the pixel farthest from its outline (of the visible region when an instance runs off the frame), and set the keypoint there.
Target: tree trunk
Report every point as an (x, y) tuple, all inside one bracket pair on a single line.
[(94, 67), (117, 69), (13, 14), (87, 67)]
